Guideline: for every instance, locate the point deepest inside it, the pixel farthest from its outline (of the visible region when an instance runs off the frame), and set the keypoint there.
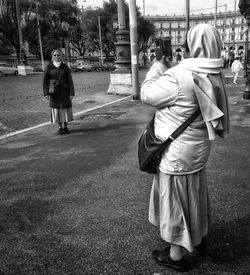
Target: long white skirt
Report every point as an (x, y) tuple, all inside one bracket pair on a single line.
[(179, 205), (61, 115)]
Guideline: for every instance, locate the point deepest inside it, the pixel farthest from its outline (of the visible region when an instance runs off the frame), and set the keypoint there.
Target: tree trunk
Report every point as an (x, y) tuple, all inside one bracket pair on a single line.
[(17, 50)]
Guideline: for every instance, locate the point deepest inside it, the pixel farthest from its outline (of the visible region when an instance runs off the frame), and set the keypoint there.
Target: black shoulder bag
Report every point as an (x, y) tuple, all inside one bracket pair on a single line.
[(150, 148), (53, 86)]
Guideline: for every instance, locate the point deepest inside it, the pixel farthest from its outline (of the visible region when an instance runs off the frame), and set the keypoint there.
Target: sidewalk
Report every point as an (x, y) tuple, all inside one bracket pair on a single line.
[(77, 203)]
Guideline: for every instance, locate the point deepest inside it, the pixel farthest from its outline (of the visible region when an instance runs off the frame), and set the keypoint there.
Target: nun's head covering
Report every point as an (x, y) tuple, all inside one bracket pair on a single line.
[(204, 41), (204, 45), (57, 51)]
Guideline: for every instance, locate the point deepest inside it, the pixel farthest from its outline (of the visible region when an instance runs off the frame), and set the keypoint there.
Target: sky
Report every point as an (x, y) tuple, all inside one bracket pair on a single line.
[(170, 7)]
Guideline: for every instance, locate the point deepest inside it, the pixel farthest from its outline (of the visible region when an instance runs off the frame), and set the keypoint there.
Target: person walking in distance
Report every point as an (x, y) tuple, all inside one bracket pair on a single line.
[(236, 68), (59, 89), (179, 202)]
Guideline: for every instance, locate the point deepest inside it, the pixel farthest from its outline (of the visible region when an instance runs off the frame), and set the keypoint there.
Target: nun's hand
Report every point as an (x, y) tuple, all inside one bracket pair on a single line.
[(166, 62)]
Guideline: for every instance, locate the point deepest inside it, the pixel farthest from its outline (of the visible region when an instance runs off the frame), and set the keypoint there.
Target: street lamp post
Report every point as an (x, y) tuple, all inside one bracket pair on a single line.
[(100, 38), (224, 26), (134, 48), (244, 6), (187, 15), (123, 62), (121, 77), (215, 14), (66, 28), (40, 37), (22, 56), (245, 53)]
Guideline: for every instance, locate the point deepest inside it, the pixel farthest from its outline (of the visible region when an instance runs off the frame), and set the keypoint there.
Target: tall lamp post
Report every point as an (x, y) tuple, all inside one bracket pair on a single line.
[(134, 48), (245, 53), (100, 38), (187, 15), (215, 14), (121, 77), (244, 6), (22, 57), (40, 37)]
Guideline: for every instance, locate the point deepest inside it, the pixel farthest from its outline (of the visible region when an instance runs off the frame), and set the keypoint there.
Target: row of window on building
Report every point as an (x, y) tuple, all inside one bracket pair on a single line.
[(232, 27)]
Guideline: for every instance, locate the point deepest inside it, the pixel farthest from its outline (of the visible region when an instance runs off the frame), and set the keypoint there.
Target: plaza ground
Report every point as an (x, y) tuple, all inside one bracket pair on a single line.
[(77, 203)]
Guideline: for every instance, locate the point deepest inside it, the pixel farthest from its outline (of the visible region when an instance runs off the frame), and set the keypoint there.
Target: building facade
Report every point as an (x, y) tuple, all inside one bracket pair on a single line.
[(231, 25)]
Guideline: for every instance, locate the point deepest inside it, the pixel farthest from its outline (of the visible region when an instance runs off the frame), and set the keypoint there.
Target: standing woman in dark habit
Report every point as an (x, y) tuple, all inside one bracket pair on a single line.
[(59, 89)]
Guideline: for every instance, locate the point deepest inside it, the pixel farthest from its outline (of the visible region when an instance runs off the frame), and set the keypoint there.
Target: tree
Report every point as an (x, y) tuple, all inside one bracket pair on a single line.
[(8, 21), (54, 14), (57, 18), (5, 46), (108, 16), (84, 36), (145, 30), (62, 22)]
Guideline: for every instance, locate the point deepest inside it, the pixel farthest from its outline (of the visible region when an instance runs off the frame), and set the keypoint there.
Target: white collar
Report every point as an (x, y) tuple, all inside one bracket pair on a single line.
[(57, 63), (203, 65)]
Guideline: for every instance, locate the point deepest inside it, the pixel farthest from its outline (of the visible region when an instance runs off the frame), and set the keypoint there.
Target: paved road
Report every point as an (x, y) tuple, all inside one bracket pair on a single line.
[(77, 204), (23, 104)]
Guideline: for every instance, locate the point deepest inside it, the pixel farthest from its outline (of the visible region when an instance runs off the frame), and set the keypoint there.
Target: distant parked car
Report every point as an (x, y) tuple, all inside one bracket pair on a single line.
[(98, 67), (37, 68), (109, 66), (6, 69), (84, 67)]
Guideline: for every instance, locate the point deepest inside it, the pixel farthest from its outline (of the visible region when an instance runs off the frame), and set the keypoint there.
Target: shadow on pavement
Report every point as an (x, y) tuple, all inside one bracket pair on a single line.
[(230, 241)]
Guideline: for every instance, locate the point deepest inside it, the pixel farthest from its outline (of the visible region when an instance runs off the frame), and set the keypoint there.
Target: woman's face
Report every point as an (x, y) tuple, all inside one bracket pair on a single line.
[(56, 56)]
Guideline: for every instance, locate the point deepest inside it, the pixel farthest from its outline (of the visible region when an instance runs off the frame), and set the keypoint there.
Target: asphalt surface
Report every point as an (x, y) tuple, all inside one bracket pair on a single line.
[(77, 203), (23, 104)]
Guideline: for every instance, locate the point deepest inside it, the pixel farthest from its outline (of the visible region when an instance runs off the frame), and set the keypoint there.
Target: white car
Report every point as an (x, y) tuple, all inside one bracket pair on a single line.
[(6, 69), (84, 67)]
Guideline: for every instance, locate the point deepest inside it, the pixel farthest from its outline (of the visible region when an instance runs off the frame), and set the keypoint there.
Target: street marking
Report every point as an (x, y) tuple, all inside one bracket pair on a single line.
[(13, 111), (75, 116), (101, 106)]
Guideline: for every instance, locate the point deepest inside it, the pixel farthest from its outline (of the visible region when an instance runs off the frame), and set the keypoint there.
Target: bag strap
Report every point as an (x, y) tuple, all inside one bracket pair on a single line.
[(183, 126)]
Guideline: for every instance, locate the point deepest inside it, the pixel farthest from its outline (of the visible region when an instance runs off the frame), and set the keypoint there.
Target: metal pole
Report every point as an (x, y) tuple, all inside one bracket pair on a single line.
[(187, 14), (215, 14), (83, 1), (234, 25), (245, 11), (100, 37), (144, 8), (22, 52), (121, 15), (40, 37), (134, 48), (246, 94), (245, 55), (229, 35), (224, 27)]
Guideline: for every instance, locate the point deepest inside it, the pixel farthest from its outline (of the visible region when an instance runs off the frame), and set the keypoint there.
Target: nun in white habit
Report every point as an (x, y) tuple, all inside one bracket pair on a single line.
[(179, 202)]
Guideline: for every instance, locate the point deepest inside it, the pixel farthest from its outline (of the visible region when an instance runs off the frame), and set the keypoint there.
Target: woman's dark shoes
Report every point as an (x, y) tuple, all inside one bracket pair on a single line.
[(60, 131), (163, 258), (66, 130), (201, 248)]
